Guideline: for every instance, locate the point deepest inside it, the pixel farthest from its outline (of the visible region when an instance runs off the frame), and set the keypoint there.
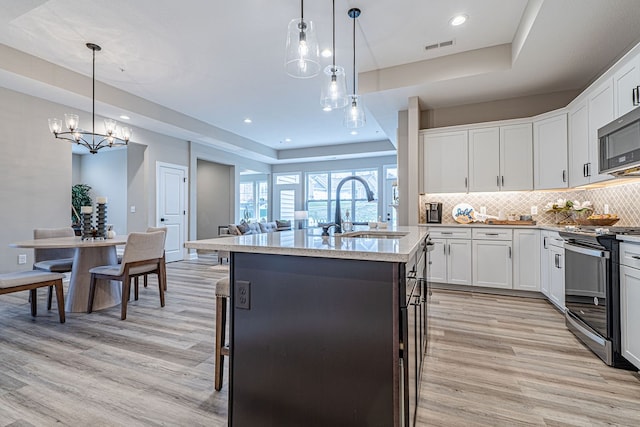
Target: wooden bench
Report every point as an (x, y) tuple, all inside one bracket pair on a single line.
[(30, 281)]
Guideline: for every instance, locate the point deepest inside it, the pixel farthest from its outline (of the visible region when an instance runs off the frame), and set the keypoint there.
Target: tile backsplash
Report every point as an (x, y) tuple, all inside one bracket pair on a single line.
[(623, 199)]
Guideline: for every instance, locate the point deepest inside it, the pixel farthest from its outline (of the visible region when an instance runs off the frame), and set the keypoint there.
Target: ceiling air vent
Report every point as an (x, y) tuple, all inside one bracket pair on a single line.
[(439, 45)]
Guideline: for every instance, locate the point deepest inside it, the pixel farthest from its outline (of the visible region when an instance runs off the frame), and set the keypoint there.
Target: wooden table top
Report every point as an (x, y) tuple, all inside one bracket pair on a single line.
[(69, 242)]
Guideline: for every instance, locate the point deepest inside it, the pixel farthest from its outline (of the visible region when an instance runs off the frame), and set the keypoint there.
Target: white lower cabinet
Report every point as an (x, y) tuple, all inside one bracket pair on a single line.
[(492, 258), (526, 259), (629, 302), (450, 260), (556, 276)]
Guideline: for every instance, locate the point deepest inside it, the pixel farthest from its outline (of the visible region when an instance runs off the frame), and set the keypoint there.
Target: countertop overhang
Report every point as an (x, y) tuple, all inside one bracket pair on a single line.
[(309, 242)]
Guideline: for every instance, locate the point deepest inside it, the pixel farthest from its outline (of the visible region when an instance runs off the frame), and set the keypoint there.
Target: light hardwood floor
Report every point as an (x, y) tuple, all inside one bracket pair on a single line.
[(492, 360)]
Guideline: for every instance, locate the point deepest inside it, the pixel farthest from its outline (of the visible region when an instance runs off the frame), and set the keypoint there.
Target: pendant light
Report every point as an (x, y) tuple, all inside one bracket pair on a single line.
[(354, 116), (334, 88), (302, 57)]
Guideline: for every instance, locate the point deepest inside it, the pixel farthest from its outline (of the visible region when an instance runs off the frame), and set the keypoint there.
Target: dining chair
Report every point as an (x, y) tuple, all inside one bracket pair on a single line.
[(142, 255), (58, 260), (163, 263)]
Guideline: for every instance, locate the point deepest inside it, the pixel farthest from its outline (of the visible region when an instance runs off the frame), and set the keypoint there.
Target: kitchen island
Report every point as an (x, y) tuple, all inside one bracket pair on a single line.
[(325, 330)]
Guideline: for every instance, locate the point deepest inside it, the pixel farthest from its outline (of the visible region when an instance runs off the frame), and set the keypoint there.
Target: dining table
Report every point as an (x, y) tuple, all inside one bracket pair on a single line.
[(89, 253)]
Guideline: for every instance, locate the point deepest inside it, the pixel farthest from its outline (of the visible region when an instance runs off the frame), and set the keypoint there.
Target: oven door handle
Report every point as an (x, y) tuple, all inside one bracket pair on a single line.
[(586, 251), (586, 332)]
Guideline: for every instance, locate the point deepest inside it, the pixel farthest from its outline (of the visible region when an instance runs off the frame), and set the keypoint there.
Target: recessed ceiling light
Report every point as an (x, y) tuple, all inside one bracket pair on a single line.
[(458, 20), (287, 140), (247, 120), (354, 132), (327, 108), (326, 53), (123, 117)]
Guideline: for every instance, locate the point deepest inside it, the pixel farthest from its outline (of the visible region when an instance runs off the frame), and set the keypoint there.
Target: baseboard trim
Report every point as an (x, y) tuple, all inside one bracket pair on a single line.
[(492, 291)]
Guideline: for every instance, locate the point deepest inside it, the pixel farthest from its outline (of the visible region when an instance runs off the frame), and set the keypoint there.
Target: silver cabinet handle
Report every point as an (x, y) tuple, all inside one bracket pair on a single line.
[(544, 242), (584, 170), (509, 252), (498, 181), (564, 175), (589, 169), (557, 261), (503, 180), (635, 96), (466, 182), (446, 232), (491, 234), (635, 256)]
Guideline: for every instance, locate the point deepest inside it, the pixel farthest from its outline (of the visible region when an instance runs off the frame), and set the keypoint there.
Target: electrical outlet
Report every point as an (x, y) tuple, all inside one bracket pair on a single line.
[(534, 210), (22, 259), (243, 295), (133, 209)]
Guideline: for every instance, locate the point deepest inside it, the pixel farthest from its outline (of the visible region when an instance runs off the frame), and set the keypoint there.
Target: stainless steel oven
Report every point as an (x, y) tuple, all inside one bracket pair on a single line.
[(592, 292)]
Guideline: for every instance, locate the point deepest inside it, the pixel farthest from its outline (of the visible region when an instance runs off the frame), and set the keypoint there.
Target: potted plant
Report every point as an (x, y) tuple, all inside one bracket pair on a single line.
[(79, 197)]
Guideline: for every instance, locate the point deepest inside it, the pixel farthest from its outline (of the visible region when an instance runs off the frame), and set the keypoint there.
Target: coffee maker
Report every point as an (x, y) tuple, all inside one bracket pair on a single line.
[(434, 212)]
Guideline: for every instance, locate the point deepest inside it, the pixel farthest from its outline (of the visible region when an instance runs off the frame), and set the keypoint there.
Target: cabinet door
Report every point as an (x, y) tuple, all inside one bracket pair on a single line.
[(600, 114), (629, 314), (550, 153), (625, 83), (445, 162), (459, 262), (556, 285), (437, 270), (545, 263), (526, 260), (484, 159), (492, 264), (516, 157), (578, 144)]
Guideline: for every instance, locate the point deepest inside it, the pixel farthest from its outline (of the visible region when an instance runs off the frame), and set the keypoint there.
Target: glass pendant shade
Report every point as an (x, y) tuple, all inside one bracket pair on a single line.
[(55, 125), (302, 57), (334, 89), (110, 126), (71, 120), (354, 115)]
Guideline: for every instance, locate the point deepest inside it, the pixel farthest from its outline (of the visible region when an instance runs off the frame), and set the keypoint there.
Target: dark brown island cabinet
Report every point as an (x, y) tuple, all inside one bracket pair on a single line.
[(326, 341)]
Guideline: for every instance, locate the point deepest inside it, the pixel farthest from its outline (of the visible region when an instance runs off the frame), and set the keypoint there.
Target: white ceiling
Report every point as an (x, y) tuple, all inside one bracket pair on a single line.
[(222, 61)]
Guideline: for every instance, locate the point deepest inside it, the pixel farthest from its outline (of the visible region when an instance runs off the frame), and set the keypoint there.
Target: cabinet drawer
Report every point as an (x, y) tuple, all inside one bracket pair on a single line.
[(450, 233), (630, 255), (492, 233)]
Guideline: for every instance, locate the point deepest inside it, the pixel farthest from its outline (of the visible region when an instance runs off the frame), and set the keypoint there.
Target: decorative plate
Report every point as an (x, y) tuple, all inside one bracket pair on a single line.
[(463, 213)]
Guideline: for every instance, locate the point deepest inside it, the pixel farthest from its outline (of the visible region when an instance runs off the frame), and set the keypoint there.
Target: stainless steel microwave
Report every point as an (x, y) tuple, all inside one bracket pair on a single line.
[(619, 145)]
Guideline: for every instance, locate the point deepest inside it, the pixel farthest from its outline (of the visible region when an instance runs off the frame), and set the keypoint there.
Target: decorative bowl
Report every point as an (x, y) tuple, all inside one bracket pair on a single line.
[(597, 222)]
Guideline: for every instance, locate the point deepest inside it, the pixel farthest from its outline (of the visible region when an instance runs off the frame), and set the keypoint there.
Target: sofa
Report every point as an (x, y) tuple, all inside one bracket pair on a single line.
[(258, 227), (252, 228)]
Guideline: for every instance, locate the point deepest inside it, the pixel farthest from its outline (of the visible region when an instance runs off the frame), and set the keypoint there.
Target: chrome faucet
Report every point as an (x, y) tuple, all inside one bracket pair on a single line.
[(338, 217)]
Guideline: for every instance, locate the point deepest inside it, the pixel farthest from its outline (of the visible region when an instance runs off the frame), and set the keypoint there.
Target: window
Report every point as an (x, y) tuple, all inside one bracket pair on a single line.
[(254, 199), (321, 192)]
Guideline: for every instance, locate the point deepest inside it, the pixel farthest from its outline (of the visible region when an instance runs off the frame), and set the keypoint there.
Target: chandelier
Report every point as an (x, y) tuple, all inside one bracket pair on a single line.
[(93, 141)]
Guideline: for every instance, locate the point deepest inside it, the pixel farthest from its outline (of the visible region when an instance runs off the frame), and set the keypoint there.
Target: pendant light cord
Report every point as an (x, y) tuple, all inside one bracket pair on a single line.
[(302, 11), (333, 48), (354, 53), (93, 97)]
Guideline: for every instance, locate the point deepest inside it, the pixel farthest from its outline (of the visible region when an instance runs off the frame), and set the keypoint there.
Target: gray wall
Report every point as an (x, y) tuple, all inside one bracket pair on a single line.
[(104, 172), (502, 109), (35, 188), (214, 195)]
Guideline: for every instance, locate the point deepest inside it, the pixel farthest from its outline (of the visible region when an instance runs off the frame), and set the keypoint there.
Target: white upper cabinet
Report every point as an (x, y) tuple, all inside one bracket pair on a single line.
[(600, 113), (445, 162), (484, 159), (500, 158), (550, 147), (516, 157), (578, 144), (626, 83)]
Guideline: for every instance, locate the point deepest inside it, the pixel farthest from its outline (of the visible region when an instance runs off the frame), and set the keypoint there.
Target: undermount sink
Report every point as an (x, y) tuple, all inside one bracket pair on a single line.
[(372, 234)]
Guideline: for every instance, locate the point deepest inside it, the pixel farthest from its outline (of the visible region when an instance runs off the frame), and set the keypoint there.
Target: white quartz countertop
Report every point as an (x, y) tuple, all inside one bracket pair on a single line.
[(309, 242), (628, 238)]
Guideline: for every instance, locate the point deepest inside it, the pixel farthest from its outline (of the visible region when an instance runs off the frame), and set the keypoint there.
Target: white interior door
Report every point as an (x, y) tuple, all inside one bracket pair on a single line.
[(171, 181)]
